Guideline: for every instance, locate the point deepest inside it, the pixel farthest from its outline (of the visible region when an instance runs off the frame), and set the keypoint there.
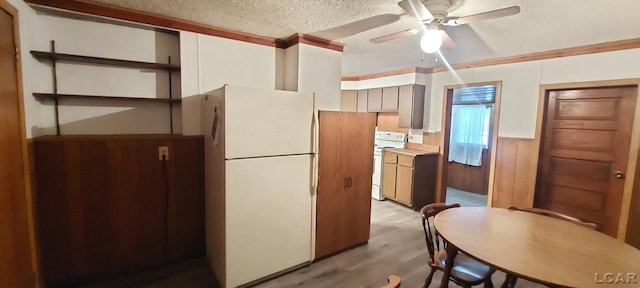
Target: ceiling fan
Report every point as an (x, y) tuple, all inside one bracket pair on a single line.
[(433, 13)]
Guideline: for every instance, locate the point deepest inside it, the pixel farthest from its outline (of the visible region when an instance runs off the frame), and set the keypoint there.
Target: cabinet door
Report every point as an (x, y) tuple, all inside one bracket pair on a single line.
[(404, 184), (358, 139), (390, 99), (411, 106), (389, 180), (362, 101), (374, 100), (349, 101)]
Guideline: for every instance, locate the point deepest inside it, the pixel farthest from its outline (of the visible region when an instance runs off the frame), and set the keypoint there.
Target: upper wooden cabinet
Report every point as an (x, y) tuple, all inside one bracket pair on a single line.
[(411, 106), (390, 99), (407, 100), (362, 101), (374, 100), (349, 101)]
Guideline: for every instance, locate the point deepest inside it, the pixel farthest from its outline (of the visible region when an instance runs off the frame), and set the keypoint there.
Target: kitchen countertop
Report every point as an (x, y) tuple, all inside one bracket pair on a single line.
[(410, 152)]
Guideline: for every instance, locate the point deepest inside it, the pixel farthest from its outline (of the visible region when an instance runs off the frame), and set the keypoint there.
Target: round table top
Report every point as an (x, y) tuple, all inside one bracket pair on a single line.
[(540, 248)]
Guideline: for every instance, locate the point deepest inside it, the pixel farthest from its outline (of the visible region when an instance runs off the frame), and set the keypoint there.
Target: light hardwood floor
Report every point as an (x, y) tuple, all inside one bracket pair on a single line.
[(396, 247), (466, 199)]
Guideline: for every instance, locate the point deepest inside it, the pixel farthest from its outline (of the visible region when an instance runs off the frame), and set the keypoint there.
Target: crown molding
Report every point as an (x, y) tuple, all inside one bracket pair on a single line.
[(310, 40), (137, 16)]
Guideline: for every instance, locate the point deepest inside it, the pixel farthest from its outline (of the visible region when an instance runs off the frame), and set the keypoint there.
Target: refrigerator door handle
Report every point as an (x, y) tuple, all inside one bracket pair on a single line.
[(314, 174), (315, 143)]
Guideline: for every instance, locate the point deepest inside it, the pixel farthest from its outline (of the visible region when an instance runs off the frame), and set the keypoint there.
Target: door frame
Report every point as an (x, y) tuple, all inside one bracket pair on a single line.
[(26, 163), (634, 145), (444, 139)]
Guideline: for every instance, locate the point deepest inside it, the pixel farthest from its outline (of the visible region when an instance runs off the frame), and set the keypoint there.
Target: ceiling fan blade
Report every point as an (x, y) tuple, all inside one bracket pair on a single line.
[(454, 21), (356, 27), (416, 9), (394, 36), (447, 42)]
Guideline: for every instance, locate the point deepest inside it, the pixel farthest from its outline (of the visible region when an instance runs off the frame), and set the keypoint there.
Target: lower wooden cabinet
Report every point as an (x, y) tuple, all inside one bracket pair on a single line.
[(106, 205), (409, 177)]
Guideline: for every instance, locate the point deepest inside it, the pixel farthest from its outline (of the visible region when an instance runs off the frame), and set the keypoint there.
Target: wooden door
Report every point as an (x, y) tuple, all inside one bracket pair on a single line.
[(404, 184), (349, 101), (389, 180), (390, 99), (374, 100), (586, 141), (362, 101), (344, 180), (411, 106), (15, 256)]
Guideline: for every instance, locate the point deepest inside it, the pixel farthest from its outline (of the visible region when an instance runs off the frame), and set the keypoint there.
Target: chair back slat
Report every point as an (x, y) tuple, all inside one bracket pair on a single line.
[(557, 215), (432, 237)]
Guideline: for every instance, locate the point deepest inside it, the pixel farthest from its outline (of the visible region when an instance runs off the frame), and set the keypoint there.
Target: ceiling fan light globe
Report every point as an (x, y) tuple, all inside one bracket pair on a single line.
[(431, 41)]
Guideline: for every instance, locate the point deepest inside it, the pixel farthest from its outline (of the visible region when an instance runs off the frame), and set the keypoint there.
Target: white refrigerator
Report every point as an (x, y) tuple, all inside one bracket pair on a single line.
[(260, 178)]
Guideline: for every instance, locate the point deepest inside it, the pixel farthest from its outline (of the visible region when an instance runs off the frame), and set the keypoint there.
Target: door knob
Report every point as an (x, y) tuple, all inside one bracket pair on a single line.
[(618, 174)]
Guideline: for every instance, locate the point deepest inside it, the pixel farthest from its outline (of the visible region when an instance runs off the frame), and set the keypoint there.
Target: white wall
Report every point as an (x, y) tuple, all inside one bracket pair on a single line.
[(520, 85), (99, 39), (211, 62), (291, 63), (319, 71)]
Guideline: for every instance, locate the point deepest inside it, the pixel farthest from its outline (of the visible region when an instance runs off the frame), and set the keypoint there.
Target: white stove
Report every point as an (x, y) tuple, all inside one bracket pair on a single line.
[(383, 139)]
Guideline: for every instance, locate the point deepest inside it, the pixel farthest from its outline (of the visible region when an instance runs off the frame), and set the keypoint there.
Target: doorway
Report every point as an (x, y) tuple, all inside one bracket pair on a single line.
[(15, 258), (584, 153), (470, 117)]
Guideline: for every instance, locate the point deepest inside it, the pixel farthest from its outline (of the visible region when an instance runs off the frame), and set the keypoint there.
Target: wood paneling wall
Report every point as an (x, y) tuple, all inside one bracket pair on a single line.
[(431, 138), (388, 121), (107, 205), (469, 178), (633, 233), (514, 180)]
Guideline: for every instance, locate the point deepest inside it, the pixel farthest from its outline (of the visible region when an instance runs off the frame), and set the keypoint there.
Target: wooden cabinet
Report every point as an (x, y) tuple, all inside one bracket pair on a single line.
[(362, 101), (409, 178), (343, 208), (411, 106), (349, 101), (374, 100), (107, 206), (390, 99), (407, 100)]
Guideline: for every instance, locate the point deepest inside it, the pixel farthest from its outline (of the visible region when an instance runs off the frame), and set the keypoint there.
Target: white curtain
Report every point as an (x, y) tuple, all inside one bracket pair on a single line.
[(467, 128)]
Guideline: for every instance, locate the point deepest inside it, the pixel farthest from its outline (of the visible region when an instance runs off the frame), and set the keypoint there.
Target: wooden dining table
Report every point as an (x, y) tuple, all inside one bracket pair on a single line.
[(538, 248)]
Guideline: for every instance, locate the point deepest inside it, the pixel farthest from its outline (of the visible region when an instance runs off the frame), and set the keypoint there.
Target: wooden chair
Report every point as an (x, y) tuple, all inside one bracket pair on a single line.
[(510, 280), (466, 271), (394, 282)]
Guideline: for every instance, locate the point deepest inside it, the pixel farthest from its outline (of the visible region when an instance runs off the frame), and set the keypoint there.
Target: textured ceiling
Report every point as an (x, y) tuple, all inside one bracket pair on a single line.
[(542, 25)]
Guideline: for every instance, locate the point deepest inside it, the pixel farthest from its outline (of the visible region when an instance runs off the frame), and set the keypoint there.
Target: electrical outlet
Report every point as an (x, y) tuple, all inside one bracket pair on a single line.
[(163, 153)]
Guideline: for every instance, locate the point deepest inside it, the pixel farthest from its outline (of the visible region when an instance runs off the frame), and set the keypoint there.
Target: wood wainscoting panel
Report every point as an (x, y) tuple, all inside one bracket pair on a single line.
[(108, 206), (388, 121), (431, 138), (474, 179), (514, 180)]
